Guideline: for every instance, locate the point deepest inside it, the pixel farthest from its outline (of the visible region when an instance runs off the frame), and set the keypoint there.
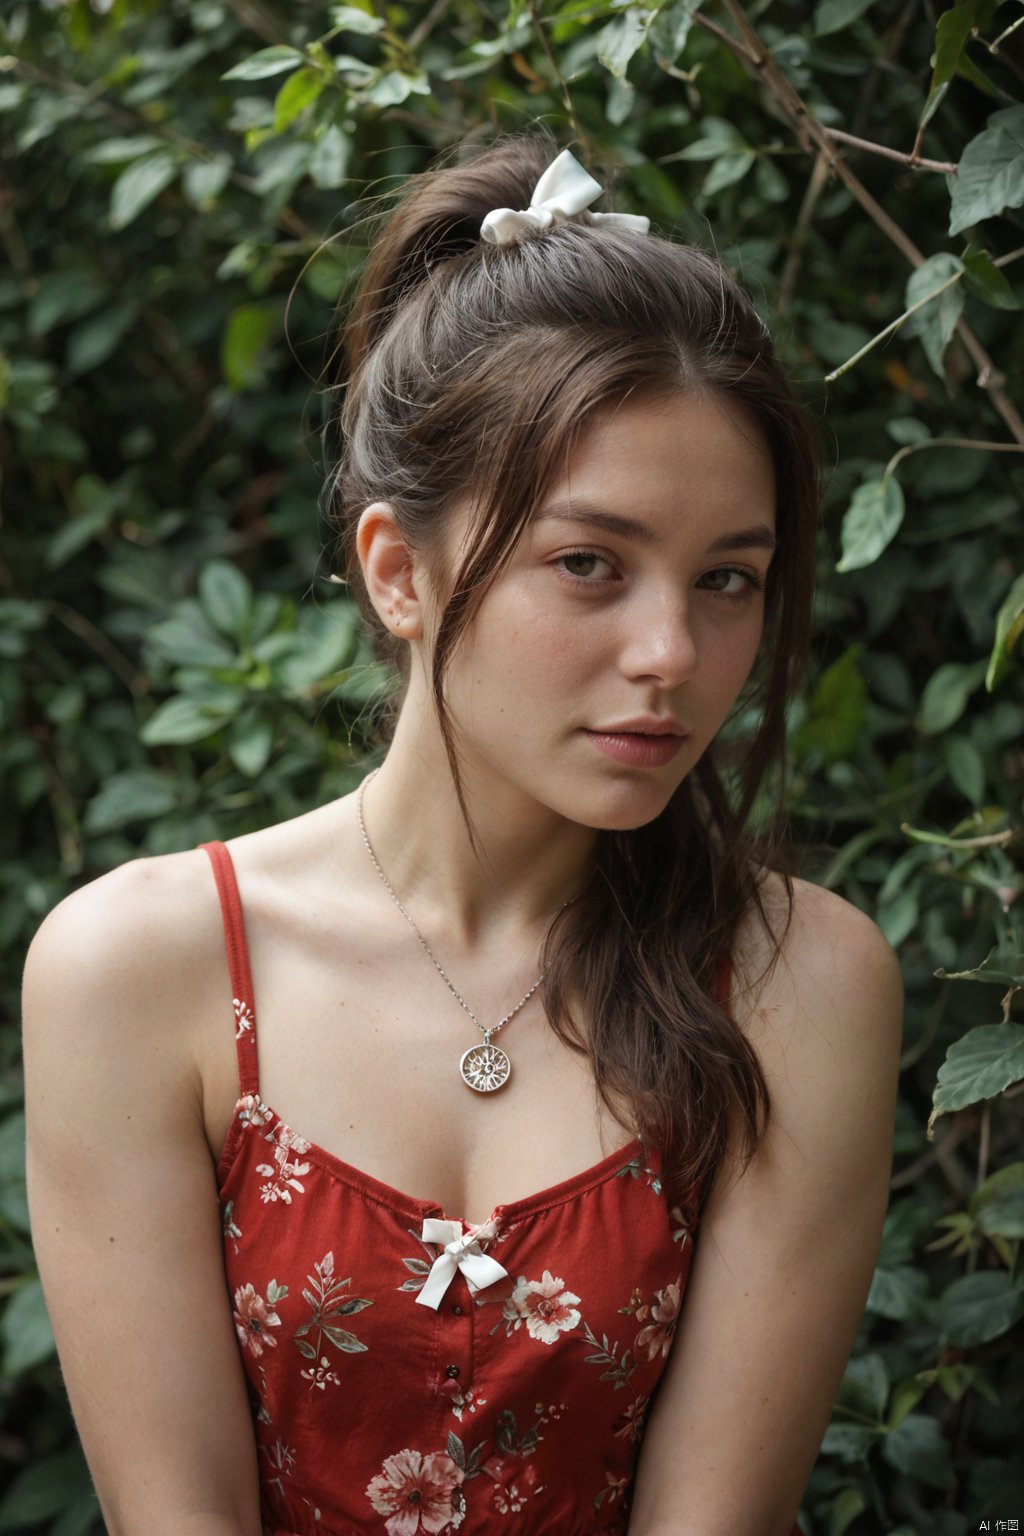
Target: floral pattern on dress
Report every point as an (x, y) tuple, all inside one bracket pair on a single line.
[(664, 1312), (254, 1315), (322, 1293), (427, 1491), (418, 1493), (290, 1172), (251, 1110), (546, 1307)]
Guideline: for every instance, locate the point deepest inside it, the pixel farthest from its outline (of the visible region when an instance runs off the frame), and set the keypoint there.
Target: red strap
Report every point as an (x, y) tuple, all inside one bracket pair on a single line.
[(238, 966)]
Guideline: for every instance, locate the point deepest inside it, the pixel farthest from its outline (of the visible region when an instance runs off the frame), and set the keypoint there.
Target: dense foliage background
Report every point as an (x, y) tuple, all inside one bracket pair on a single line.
[(181, 192)]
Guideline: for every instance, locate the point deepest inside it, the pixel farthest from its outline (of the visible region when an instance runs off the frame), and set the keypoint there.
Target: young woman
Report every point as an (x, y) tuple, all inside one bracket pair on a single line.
[(547, 1197)]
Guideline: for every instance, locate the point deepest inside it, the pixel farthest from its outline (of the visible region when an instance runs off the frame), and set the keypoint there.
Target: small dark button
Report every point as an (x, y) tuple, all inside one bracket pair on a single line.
[(451, 1370), (457, 1310)]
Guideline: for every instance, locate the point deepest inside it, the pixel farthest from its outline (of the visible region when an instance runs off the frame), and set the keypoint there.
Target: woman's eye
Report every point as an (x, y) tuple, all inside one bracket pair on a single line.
[(754, 583), (584, 558)]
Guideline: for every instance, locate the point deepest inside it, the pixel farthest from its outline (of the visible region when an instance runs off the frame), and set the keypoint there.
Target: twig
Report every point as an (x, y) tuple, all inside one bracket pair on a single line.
[(916, 162), (914, 1170), (794, 260), (813, 137), (956, 442), (991, 839), (994, 47), (893, 325), (552, 61), (423, 29)]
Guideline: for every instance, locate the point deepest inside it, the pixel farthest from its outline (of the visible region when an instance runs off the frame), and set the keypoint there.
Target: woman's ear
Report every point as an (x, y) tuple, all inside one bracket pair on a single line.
[(392, 574)]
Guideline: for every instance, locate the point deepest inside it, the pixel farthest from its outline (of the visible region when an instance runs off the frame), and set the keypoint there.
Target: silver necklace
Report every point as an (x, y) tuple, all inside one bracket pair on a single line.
[(486, 1067)]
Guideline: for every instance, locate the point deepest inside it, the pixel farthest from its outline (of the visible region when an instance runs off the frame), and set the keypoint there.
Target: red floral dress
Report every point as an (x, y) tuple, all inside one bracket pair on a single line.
[(409, 1372)]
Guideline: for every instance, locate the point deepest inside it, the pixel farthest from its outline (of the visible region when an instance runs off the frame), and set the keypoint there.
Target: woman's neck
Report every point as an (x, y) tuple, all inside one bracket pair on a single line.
[(532, 858)]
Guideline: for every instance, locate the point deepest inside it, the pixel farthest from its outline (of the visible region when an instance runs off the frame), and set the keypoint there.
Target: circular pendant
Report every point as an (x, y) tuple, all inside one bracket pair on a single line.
[(485, 1067)]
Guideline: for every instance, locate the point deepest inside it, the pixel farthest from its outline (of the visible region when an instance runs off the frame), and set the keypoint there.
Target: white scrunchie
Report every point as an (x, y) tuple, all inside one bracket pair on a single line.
[(563, 192)]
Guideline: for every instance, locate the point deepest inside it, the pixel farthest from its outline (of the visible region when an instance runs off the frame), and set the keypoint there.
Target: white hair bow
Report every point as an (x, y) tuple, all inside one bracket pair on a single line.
[(563, 192)]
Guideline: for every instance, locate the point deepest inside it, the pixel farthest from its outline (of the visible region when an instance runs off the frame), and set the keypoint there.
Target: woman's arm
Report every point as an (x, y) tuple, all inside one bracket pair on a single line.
[(785, 1254), (124, 1209)]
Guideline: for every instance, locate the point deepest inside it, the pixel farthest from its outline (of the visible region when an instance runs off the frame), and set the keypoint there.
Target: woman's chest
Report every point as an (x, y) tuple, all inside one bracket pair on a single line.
[(365, 1062)]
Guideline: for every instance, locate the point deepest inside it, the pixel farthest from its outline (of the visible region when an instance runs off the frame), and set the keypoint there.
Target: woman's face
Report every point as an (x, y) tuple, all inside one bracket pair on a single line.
[(592, 625)]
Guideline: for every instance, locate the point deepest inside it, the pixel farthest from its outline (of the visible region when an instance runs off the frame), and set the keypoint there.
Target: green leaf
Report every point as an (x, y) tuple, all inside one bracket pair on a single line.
[(717, 136), (202, 182), (671, 28), (179, 722), (871, 522), (849, 1443), (978, 1066), (63, 296), (936, 322), (114, 151), (951, 34), (352, 19), (899, 1293), (226, 597), (836, 712), (136, 794), (979, 1308), (726, 170), (1009, 629), (988, 281), (139, 184), (249, 329), (990, 176), (899, 918), (26, 1331), (268, 61), (45, 1488), (833, 15), (864, 1389), (966, 767), (847, 1505), (998, 1206), (94, 340), (190, 640), (250, 741), (297, 93), (329, 162), (13, 1198), (946, 693), (620, 40), (918, 1448), (394, 86)]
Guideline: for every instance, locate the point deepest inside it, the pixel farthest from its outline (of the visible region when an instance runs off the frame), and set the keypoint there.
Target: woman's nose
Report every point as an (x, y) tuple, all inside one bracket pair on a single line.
[(661, 644)]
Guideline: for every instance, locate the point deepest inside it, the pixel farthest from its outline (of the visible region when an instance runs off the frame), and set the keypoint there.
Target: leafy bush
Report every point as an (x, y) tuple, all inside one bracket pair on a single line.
[(184, 183)]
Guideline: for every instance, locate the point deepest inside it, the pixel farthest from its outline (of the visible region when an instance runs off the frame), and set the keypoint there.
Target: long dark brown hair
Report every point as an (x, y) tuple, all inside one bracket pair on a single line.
[(471, 370)]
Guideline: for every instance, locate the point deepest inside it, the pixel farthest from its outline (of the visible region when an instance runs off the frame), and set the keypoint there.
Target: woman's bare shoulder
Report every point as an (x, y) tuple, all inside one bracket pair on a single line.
[(134, 951), (819, 941)]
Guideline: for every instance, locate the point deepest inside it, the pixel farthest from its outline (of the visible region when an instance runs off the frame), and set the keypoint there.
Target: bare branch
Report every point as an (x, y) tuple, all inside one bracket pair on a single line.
[(915, 162), (814, 138)]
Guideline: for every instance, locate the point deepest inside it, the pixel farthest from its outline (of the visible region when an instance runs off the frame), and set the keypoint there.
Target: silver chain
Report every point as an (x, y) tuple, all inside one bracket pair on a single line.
[(487, 1033)]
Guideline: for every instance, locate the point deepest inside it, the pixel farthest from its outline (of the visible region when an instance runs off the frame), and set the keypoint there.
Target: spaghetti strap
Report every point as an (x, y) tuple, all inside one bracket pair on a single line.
[(238, 966)]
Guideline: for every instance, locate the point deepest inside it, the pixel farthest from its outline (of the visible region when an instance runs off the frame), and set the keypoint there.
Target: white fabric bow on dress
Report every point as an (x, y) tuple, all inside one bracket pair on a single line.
[(461, 1251), (563, 192)]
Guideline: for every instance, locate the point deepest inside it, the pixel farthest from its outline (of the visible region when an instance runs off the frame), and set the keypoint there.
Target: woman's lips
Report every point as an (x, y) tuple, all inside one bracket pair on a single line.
[(637, 750)]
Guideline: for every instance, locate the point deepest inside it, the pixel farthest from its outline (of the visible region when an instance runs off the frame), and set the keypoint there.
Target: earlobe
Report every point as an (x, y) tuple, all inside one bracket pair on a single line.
[(388, 569)]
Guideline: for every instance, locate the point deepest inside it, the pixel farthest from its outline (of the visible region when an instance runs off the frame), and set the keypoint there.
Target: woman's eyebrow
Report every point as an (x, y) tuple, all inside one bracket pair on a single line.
[(759, 536)]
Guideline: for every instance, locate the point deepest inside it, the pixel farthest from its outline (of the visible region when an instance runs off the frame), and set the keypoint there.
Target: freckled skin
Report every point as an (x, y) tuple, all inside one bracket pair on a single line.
[(546, 657)]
